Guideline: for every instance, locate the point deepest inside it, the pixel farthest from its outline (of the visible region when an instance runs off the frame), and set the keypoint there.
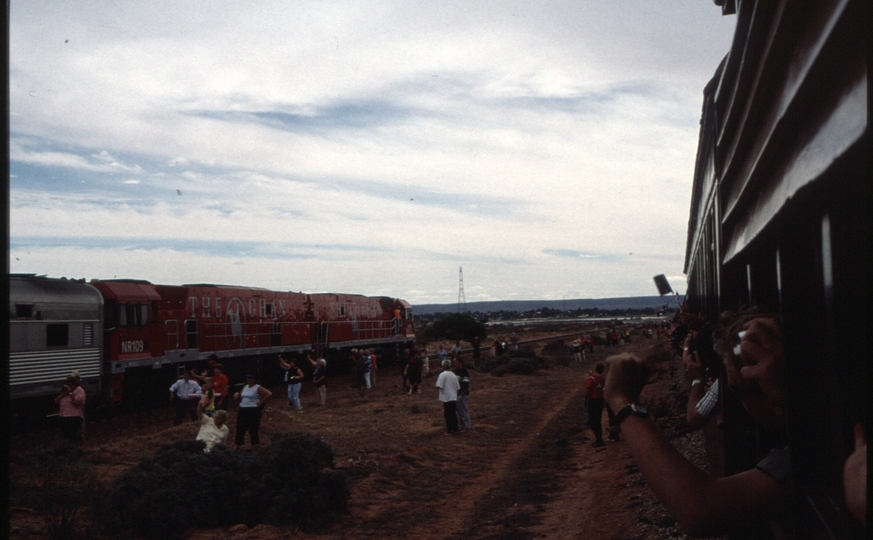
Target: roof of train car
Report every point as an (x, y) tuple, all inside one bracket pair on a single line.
[(127, 290), (34, 289)]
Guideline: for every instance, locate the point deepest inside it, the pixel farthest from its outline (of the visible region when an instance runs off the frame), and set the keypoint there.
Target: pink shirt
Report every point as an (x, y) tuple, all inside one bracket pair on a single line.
[(73, 404)]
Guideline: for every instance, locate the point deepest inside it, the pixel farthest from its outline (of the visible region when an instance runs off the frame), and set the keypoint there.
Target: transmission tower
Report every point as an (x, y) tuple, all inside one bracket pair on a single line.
[(462, 302)]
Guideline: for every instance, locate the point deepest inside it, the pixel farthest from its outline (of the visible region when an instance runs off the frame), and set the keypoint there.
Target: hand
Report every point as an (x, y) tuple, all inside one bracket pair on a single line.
[(625, 378), (693, 368), (855, 478)]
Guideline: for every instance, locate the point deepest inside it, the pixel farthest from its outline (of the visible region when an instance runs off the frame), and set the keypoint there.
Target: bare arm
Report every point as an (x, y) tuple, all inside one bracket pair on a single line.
[(700, 503), (265, 395)]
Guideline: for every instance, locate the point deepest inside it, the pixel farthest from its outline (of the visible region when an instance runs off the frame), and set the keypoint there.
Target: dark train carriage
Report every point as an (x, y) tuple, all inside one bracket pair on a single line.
[(54, 329), (780, 218)]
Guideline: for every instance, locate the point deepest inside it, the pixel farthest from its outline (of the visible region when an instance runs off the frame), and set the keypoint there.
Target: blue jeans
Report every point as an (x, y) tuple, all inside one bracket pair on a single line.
[(294, 395)]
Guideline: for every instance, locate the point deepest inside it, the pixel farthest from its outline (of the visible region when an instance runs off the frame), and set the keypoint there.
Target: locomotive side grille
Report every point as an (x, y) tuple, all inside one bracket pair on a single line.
[(47, 366), (88, 335)]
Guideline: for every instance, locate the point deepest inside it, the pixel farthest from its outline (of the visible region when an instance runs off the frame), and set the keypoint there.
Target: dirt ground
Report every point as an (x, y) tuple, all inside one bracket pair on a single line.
[(526, 469)]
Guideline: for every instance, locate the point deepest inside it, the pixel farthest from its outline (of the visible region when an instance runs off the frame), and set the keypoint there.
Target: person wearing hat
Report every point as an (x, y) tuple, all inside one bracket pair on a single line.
[(71, 405), (251, 402)]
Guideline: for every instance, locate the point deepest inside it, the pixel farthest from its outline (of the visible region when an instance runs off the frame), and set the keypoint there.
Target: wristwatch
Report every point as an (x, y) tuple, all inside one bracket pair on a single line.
[(630, 409)]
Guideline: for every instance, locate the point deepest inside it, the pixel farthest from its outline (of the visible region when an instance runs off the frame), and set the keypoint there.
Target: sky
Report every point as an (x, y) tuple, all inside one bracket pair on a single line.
[(538, 150)]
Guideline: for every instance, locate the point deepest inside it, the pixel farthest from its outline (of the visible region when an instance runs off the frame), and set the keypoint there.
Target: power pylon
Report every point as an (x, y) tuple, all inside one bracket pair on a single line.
[(462, 302)]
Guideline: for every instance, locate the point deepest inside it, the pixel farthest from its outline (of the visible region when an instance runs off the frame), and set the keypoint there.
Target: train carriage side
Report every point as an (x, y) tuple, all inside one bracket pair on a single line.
[(346, 321), (54, 328), (245, 327), (780, 218)]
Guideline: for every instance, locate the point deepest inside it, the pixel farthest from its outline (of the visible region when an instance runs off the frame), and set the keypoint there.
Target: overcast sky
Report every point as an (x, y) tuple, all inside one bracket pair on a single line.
[(371, 147)]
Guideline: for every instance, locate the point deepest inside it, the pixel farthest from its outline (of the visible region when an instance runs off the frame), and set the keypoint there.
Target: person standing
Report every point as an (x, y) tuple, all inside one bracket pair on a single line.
[(251, 402), (374, 367), (404, 361), (184, 394), (412, 373), (71, 407), (208, 392), (577, 350), (449, 385), (294, 379), (221, 385), (456, 350), (463, 394), (594, 398), (476, 343), (366, 368), (319, 378), (357, 376)]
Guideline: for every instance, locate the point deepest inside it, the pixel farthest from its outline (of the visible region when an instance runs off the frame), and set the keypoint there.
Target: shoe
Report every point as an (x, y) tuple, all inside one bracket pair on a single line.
[(299, 410), (616, 439), (598, 443)]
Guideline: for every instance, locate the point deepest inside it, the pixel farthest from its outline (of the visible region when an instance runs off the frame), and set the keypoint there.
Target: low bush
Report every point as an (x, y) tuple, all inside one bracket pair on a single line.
[(521, 366), (557, 348), (183, 487), (60, 486)]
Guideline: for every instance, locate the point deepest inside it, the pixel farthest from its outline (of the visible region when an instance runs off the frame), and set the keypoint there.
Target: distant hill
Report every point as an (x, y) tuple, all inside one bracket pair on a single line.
[(632, 302)]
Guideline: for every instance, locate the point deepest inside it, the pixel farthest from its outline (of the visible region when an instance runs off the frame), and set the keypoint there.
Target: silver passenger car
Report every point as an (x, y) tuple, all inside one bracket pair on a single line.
[(55, 327)]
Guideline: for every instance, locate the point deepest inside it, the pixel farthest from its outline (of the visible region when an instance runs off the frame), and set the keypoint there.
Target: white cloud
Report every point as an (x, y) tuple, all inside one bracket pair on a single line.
[(430, 135)]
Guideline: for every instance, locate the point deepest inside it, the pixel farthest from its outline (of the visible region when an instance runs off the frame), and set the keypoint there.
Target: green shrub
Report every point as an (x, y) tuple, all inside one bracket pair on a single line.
[(521, 366), (60, 486), (182, 487), (523, 352), (455, 326), (557, 348), (293, 488)]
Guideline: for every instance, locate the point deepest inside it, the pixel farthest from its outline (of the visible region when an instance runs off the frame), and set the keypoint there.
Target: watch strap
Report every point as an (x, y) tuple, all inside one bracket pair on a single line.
[(628, 410)]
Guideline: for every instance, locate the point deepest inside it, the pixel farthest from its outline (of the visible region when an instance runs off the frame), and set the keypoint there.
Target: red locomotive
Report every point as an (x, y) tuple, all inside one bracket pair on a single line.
[(129, 339), (153, 331)]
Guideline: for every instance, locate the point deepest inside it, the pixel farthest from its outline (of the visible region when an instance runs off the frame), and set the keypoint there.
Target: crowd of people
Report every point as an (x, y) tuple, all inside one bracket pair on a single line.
[(742, 355)]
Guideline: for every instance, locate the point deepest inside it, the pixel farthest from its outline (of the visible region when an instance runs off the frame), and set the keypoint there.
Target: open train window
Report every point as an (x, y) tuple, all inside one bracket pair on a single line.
[(57, 335), (23, 311)]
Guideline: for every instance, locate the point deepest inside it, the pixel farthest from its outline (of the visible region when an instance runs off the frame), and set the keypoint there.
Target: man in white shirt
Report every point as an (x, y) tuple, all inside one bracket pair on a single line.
[(449, 385), (184, 394)]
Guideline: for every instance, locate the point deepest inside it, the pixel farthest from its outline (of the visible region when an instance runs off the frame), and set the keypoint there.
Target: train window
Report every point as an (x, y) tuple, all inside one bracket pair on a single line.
[(133, 315), (57, 335), (191, 334), (23, 311), (110, 311)]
